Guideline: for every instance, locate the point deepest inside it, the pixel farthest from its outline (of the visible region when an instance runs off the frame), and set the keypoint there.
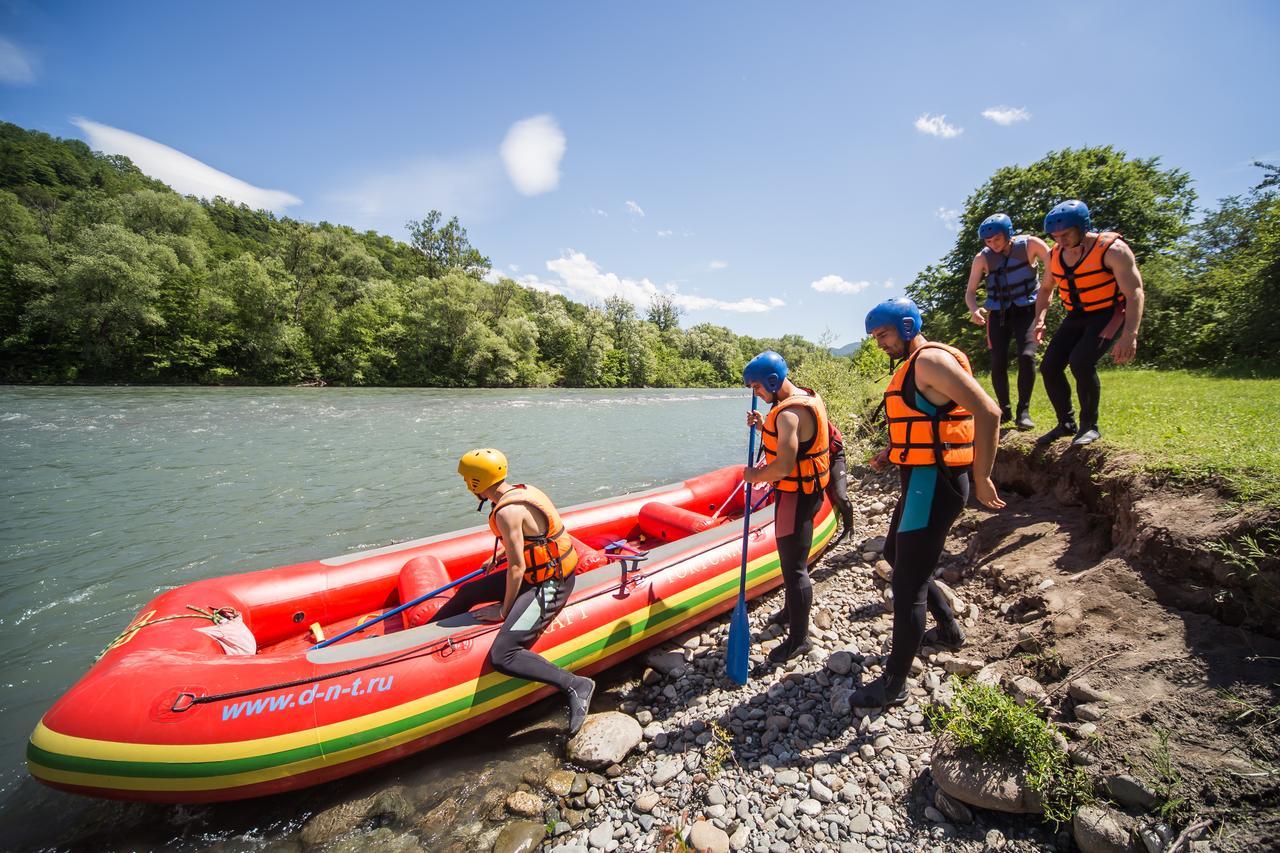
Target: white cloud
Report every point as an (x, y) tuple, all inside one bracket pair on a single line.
[(634, 208), (1006, 116), (598, 212), (185, 174), (532, 151), (513, 267), (582, 278), (835, 284), (717, 265), (666, 232), (950, 218), (937, 126), (15, 66)]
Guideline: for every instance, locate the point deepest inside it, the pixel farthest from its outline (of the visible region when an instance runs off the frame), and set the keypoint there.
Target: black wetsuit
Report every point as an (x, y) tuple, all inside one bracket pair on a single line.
[(536, 607), (932, 498), (1080, 344), (793, 532), (1013, 324)]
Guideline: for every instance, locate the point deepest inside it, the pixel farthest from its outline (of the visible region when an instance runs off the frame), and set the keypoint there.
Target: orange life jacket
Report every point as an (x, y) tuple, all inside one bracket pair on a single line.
[(813, 463), (1089, 285), (918, 438), (545, 557)]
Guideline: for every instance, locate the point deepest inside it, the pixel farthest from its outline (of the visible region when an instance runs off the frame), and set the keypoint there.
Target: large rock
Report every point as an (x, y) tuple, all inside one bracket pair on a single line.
[(389, 806), (559, 782), (997, 785), (665, 661), (1101, 830), (605, 739), (520, 836), (666, 769), (840, 663), (1027, 691), (1130, 791), (709, 837), (524, 804)]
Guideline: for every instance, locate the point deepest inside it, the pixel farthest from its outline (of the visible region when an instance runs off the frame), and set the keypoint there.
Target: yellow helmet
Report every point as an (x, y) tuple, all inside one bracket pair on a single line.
[(482, 468)]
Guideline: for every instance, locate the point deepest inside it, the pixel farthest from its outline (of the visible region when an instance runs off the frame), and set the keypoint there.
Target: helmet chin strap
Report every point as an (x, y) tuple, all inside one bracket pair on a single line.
[(483, 501)]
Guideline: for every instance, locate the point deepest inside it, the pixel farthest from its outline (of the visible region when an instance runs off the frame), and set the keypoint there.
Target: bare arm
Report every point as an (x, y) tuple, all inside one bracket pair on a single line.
[(788, 424), (1047, 286), (938, 372), (978, 271), (1124, 265)]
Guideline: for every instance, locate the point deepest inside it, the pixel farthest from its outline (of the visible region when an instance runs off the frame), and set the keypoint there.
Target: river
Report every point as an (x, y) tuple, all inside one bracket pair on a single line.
[(115, 494)]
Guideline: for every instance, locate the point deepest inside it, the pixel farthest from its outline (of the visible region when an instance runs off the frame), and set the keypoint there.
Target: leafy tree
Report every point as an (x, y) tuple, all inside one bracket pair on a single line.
[(445, 247)]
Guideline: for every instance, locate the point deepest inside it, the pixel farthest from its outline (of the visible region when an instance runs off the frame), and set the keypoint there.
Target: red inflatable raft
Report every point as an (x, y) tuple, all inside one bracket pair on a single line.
[(168, 715)]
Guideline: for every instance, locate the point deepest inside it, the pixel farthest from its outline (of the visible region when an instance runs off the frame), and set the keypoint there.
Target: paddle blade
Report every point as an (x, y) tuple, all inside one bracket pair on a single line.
[(738, 654)]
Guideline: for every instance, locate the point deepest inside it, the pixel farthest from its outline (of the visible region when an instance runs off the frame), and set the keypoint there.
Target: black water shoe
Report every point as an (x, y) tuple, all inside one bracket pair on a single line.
[(1006, 414), (1088, 435), (944, 638), (580, 691), (1060, 431), (1024, 421), (881, 693), (778, 617), (786, 650)]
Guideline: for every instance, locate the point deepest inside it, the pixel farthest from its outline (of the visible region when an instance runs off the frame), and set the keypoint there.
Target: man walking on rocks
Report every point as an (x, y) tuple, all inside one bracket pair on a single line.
[(941, 422)]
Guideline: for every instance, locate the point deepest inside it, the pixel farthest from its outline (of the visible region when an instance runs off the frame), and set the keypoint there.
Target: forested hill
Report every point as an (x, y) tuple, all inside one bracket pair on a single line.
[(107, 275)]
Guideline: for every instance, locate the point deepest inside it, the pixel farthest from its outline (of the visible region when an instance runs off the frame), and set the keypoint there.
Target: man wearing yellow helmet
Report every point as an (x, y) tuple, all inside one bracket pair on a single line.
[(537, 582)]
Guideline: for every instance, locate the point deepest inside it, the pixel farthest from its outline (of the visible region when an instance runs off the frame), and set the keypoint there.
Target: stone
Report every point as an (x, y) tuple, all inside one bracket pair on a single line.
[(957, 604), (384, 840), (667, 769), (1130, 791), (874, 544), (840, 697), (997, 785), (1097, 829), (810, 807), (841, 663), (995, 839), (786, 778), (524, 804), (520, 836), (933, 815), (820, 792), (716, 796), (822, 619), (665, 661), (959, 666), (740, 838), (1027, 691), (883, 570), (559, 782), (1090, 713), (645, 802), (952, 808), (389, 806), (860, 824), (601, 834), (1085, 693), (604, 739), (706, 836)]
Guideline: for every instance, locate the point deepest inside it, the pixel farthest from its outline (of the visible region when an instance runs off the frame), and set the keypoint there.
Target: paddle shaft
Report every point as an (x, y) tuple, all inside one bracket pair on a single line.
[(403, 607), (746, 513)]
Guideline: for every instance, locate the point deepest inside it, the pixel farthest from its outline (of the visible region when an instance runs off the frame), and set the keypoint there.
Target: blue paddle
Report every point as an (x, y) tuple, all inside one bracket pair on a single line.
[(357, 629), (738, 654)]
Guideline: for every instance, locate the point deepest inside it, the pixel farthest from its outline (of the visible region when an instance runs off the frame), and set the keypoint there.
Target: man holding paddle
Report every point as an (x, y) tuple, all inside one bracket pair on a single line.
[(941, 424), (795, 440), (536, 584)]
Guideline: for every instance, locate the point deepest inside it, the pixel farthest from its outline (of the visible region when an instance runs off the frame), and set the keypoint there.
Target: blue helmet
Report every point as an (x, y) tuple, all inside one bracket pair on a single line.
[(1069, 214), (901, 313), (996, 223), (768, 368)]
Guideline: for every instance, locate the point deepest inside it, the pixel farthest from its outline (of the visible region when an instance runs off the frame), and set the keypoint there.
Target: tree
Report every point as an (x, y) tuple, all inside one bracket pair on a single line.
[(446, 248), (664, 313), (1149, 205)]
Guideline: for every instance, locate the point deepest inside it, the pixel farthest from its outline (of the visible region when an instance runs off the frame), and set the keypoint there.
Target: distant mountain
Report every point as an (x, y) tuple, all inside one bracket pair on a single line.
[(847, 349)]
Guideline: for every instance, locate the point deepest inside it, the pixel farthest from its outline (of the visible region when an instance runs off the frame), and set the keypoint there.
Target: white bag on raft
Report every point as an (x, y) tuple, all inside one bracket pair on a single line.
[(233, 635)]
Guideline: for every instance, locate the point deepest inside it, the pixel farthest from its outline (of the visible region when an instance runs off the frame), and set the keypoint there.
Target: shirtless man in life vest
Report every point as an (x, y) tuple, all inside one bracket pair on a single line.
[(1099, 284)]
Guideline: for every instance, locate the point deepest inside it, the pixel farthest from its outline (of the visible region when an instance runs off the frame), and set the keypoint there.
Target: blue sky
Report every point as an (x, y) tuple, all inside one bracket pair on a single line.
[(778, 167)]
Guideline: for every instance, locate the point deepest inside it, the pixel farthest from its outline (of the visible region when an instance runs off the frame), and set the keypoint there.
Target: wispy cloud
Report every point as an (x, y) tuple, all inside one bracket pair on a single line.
[(665, 232), (469, 186), (634, 209), (16, 68), (718, 265), (582, 278), (184, 173), (835, 284), (950, 218), (937, 126), (531, 152), (598, 212), (1006, 116)]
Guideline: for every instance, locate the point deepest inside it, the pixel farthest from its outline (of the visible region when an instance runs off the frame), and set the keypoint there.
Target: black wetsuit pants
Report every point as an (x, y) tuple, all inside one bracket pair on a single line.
[(930, 503), (536, 607), (1078, 343), (793, 529), (838, 490), (1012, 325)]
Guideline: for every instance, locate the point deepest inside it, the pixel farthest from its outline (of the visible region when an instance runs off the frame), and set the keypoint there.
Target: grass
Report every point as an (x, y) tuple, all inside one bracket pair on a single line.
[(992, 724), (1191, 427), (1164, 777)]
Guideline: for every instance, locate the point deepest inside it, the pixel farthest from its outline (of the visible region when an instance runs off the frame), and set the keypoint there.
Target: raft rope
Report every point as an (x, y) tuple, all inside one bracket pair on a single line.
[(216, 615), (425, 649)]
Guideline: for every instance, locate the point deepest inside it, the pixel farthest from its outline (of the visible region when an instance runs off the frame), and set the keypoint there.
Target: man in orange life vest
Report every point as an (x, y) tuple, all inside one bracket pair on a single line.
[(941, 423), (1101, 288), (536, 584), (795, 441), (1008, 264)]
